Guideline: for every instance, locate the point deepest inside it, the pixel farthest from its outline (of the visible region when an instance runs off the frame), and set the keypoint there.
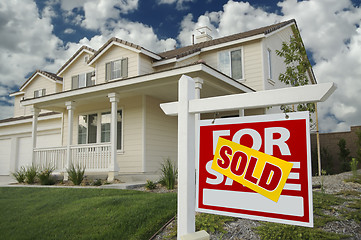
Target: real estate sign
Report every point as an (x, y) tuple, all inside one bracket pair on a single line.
[(256, 167)]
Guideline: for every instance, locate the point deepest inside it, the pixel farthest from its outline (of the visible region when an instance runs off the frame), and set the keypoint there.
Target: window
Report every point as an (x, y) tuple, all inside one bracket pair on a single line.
[(269, 58), (116, 69), (89, 125), (39, 93), (230, 63), (82, 80)]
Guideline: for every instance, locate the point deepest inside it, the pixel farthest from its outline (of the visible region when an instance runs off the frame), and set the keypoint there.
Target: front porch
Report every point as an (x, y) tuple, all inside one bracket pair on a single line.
[(93, 157)]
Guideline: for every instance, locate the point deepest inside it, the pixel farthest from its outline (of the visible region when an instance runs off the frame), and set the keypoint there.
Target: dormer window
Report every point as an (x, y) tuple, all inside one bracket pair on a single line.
[(82, 80), (116, 69), (230, 63), (39, 93)]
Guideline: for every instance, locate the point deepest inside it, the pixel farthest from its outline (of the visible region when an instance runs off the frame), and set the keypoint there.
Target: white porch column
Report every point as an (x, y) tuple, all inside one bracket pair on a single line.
[(34, 130), (70, 106), (113, 168)]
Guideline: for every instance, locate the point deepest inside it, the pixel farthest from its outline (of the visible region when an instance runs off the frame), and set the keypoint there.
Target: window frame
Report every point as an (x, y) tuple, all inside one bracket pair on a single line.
[(88, 81), (228, 72), (39, 93), (269, 62), (123, 71), (98, 128)]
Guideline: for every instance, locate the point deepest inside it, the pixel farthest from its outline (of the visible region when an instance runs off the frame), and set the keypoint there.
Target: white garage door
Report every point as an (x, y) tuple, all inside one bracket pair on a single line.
[(5, 151), (24, 152)]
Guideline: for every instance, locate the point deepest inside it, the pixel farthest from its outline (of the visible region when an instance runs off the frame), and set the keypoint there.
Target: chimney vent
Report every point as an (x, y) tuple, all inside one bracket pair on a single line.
[(203, 34)]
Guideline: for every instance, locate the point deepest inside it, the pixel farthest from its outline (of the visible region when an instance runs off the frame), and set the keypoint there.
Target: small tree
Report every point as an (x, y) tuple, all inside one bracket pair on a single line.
[(297, 67), (358, 142), (344, 155)]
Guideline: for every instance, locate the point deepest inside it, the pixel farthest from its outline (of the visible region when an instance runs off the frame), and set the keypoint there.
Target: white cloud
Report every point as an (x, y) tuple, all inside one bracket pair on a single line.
[(97, 13), (180, 4), (69, 31)]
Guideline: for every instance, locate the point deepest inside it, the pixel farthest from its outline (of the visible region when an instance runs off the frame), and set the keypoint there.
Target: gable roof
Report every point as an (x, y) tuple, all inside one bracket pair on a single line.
[(184, 51), (74, 57), (45, 74), (125, 44)]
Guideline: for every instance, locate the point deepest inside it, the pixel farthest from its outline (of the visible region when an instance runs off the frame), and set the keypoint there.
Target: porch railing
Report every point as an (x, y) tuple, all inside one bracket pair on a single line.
[(94, 157)]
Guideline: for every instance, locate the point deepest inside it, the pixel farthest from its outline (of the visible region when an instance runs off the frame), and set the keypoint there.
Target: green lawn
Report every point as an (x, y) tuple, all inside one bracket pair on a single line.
[(62, 213)]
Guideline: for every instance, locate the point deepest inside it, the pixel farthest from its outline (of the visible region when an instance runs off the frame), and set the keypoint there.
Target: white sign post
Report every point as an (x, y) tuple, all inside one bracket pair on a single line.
[(188, 106)]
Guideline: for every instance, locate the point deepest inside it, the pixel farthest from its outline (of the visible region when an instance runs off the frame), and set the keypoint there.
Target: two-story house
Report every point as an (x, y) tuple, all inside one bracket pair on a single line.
[(101, 109)]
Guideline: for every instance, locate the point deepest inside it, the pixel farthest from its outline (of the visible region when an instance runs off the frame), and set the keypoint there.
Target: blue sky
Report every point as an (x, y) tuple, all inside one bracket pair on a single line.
[(43, 34)]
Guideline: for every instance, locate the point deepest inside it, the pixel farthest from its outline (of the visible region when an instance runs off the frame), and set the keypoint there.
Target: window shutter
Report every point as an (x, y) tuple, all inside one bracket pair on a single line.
[(43, 92), (125, 67), (89, 79), (36, 94), (75, 82), (107, 71)]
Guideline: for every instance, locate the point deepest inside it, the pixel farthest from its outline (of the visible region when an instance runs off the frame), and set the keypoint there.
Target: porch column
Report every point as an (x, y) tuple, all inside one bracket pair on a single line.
[(34, 130), (70, 106), (113, 167)]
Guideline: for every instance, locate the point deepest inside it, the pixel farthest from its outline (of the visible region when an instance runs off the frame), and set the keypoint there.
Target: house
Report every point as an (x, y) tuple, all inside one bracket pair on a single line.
[(101, 109)]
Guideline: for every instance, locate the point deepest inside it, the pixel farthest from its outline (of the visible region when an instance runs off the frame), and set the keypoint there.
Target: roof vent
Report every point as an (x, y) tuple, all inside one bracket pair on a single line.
[(204, 34)]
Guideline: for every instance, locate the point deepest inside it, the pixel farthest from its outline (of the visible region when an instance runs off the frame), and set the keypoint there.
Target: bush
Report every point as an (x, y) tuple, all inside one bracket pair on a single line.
[(97, 182), (169, 174), (76, 175), (19, 175), (344, 155), (30, 174), (150, 185), (45, 176)]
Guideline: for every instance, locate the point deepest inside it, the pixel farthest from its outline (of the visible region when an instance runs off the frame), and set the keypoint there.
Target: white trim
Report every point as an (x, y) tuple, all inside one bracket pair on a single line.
[(164, 62), (238, 41), (142, 50), (136, 80), (144, 114), (75, 58), (172, 60), (32, 78), (280, 29), (16, 94)]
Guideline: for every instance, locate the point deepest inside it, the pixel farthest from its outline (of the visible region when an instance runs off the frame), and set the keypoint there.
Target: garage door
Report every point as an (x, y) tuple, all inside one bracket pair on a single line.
[(5, 151), (24, 152)]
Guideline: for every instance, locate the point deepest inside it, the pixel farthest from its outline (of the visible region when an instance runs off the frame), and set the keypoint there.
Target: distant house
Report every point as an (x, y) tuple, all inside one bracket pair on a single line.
[(101, 109)]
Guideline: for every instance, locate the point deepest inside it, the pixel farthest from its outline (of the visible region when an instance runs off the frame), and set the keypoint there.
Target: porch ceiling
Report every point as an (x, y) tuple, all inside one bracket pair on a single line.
[(162, 85)]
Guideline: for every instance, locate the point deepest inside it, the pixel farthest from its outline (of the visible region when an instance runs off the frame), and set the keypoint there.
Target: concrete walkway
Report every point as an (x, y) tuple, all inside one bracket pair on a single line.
[(7, 181)]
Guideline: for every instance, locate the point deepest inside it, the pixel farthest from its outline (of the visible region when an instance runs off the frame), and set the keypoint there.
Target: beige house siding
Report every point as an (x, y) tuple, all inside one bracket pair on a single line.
[(112, 54), (20, 110), (253, 75), (131, 158), (145, 64), (161, 135), (79, 66), (39, 83)]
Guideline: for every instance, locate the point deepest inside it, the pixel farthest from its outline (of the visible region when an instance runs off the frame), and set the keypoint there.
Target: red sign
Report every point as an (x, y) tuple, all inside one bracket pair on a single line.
[(275, 135)]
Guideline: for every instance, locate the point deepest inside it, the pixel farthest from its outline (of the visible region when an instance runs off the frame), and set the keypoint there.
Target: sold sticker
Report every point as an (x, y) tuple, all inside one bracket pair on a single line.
[(256, 170)]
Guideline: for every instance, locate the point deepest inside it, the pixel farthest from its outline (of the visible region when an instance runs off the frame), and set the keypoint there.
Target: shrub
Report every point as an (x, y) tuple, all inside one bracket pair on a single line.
[(45, 176), (169, 174), (344, 155), (150, 185), (97, 182), (20, 175), (30, 174), (76, 174)]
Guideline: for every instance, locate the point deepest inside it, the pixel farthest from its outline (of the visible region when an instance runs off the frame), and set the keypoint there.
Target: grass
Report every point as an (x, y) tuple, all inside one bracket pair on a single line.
[(61, 213)]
